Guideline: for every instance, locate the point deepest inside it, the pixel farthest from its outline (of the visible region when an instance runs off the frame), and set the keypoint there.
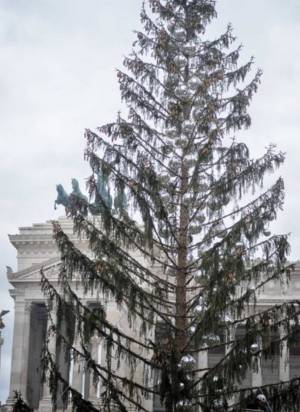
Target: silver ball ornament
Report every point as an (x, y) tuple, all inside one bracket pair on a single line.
[(218, 403), (172, 78), (188, 361), (198, 276), (179, 34), (254, 348), (187, 127), (182, 92), (189, 48), (194, 83), (228, 318), (172, 133), (213, 339), (197, 113), (171, 25), (198, 310), (180, 61)]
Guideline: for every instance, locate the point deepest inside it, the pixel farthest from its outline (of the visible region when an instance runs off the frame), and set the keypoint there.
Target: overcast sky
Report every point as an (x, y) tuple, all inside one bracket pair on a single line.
[(57, 76)]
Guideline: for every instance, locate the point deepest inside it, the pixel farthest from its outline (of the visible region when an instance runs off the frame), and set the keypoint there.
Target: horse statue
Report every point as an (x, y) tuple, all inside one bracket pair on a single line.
[(77, 195), (76, 190), (103, 197), (62, 197)]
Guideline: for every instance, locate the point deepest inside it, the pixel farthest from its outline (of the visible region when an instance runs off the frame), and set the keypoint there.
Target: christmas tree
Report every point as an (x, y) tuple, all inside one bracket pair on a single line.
[(171, 180)]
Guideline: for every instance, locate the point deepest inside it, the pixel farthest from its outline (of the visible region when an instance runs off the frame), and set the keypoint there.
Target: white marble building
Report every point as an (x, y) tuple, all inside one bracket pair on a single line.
[(35, 249)]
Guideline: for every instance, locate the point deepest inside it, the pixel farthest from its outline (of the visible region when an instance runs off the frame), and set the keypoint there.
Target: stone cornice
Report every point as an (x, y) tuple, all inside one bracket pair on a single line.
[(29, 274), (41, 235)]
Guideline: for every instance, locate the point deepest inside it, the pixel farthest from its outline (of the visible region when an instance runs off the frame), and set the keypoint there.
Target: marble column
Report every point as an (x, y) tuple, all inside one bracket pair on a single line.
[(256, 369), (77, 369), (202, 363), (46, 401), (284, 364), (202, 360), (19, 362), (94, 387)]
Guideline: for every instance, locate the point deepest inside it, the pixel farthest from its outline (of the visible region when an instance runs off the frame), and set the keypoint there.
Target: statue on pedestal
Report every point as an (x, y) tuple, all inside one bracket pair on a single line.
[(2, 325), (103, 198), (62, 197)]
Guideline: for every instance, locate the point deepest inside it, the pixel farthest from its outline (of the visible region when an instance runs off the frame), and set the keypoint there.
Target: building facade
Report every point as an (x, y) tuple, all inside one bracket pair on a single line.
[(36, 249)]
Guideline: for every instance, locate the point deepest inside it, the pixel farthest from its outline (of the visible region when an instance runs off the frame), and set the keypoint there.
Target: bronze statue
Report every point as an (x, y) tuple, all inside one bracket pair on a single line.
[(62, 197), (103, 197), (76, 190), (3, 313)]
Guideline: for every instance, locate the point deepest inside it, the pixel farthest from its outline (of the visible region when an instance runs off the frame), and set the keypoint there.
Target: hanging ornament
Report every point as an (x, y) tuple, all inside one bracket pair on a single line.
[(187, 127), (179, 34), (200, 218), (215, 378), (182, 91), (194, 83), (179, 11), (171, 25), (181, 386), (218, 403), (198, 276), (192, 329), (181, 143), (189, 48), (212, 339), (200, 100), (172, 78), (254, 348), (197, 114), (228, 318), (187, 361), (171, 133), (147, 163), (198, 310), (184, 404), (222, 233), (240, 247), (180, 61)]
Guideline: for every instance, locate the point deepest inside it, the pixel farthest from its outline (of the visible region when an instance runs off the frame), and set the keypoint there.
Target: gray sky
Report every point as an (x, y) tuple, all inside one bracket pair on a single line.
[(57, 76)]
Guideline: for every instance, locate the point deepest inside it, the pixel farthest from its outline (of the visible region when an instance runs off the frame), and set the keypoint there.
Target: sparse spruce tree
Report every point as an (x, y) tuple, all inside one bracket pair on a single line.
[(171, 181)]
